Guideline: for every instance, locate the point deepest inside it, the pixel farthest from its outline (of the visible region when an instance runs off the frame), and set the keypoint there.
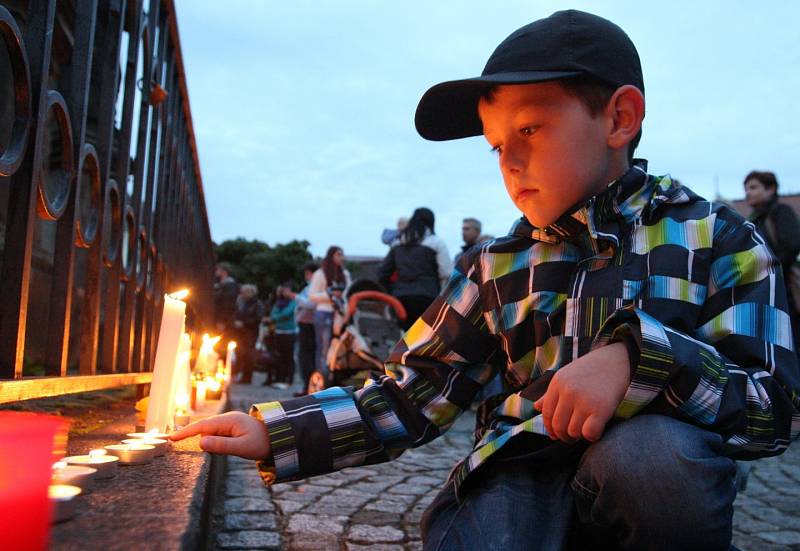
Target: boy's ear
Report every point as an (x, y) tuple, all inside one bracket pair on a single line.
[(626, 112)]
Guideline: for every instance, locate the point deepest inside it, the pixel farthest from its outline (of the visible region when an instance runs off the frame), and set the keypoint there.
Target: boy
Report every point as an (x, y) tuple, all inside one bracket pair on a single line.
[(640, 330)]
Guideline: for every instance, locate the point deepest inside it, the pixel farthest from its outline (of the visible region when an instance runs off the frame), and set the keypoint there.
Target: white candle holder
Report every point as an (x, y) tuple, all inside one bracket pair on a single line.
[(159, 444), (74, 475), (152, 434), (132, 454), (64, 503), (106, 465)]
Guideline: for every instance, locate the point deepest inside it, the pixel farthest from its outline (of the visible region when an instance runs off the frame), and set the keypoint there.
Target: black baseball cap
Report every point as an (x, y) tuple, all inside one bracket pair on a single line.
[(568, 43)]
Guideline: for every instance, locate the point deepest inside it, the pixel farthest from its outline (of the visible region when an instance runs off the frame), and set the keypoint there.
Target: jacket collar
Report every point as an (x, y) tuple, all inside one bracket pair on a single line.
[(633, 195)]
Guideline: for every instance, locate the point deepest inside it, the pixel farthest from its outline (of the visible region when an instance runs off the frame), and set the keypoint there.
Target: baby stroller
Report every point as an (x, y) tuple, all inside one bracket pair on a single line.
[(363, 335)]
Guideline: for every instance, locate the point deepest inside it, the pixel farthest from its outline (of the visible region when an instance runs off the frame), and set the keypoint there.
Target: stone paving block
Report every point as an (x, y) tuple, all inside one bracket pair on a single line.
[(373, 547), (300, 497), (365, 533), (249, 539), (240, 488), (329, 480), (409, 489), (373, 488), (786, 503), (250, 521), (752, 543), (301, 523), (377, 518), (389, 479), (782, 537), (312, 542), (747, 524), (247, 477), (414, 546), (288, 506), (776, 517), (280, 488), (249, 504), (351, 500), (425, 480), (393, 506), (330, 509)]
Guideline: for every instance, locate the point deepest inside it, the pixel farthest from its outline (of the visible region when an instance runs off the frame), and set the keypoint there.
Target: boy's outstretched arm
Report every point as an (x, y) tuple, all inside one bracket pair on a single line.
[(232, 433)]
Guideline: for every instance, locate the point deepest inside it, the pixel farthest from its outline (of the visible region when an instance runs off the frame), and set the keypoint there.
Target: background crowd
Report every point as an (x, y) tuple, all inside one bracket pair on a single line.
[(289, 333)]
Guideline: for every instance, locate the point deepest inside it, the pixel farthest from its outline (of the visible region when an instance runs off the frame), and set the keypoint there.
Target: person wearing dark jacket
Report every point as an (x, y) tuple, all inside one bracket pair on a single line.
[(249, 311), (422, 264), (778, 224), (226, 290)]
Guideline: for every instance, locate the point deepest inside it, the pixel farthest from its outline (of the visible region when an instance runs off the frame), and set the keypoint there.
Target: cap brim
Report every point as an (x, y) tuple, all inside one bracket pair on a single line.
[(449, 110)]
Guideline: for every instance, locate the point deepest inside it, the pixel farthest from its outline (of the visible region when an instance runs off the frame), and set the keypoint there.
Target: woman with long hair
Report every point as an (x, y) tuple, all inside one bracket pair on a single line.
[(331, 274), (421, 262)]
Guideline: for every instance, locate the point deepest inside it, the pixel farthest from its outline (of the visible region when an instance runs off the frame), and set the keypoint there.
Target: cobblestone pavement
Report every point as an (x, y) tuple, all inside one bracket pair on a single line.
[(379, 507)]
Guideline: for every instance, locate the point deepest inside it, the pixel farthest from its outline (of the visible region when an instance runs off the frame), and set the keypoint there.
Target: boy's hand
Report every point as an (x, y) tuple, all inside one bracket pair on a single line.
[(233, 433), (584, 394)]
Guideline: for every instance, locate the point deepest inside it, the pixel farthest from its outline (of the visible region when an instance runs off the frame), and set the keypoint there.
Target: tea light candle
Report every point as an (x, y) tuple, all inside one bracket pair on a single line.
[(182, 419), (64, 503), (105, 465), (159, 444), (132, 454), (149, 434), (74, 475), (213, 389)]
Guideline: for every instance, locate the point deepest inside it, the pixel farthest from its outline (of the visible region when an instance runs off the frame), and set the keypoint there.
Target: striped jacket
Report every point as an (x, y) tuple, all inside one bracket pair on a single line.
[(689, 282)]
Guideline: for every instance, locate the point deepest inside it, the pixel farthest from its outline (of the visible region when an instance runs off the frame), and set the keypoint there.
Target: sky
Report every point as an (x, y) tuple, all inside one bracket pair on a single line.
[(304, 110)]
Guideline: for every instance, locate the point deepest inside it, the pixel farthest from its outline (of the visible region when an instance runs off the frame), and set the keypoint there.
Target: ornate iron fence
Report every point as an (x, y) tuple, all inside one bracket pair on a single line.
[(101, 196)]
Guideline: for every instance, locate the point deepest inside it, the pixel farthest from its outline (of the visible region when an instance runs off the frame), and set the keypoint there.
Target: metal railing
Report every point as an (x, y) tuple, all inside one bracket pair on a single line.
[(104, 207)]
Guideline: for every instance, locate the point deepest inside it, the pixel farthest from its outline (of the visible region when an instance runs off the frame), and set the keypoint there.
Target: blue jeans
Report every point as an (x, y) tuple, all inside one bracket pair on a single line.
[(651, 482), (323, 330)]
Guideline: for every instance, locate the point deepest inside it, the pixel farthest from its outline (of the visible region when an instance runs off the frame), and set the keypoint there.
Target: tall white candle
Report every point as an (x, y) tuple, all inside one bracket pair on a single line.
[(159, 406), (229, 361), (182, 382)]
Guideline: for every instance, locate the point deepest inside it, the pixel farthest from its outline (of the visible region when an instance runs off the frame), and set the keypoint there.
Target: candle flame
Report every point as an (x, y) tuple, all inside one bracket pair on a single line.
[(179, 295), (182, 401), (209, 343), (63, 491), (231, 345), (94, 454)]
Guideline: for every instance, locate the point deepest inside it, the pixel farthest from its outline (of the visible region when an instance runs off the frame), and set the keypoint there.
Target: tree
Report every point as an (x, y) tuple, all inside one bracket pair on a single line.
[(265, 266)]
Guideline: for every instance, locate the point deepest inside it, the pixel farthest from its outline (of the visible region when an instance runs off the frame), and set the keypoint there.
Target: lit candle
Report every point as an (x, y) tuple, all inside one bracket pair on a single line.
[(132, 454), (182, 382), (62, 496), (74, 475), (229, 361), (159, 444), (152, 433), (159, 407), (200, 398), (182, 417), (104, 464), (213, 388)]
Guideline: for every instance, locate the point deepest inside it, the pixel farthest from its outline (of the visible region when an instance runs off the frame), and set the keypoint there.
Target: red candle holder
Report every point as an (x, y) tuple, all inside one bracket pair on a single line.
[(29, 444)]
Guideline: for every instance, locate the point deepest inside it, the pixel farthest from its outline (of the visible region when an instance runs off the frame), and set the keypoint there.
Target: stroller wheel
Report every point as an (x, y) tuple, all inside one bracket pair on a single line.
[(316, 382)]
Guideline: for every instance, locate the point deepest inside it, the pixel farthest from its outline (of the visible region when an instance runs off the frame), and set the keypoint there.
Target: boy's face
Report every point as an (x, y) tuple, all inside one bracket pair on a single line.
[(553, 153)]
